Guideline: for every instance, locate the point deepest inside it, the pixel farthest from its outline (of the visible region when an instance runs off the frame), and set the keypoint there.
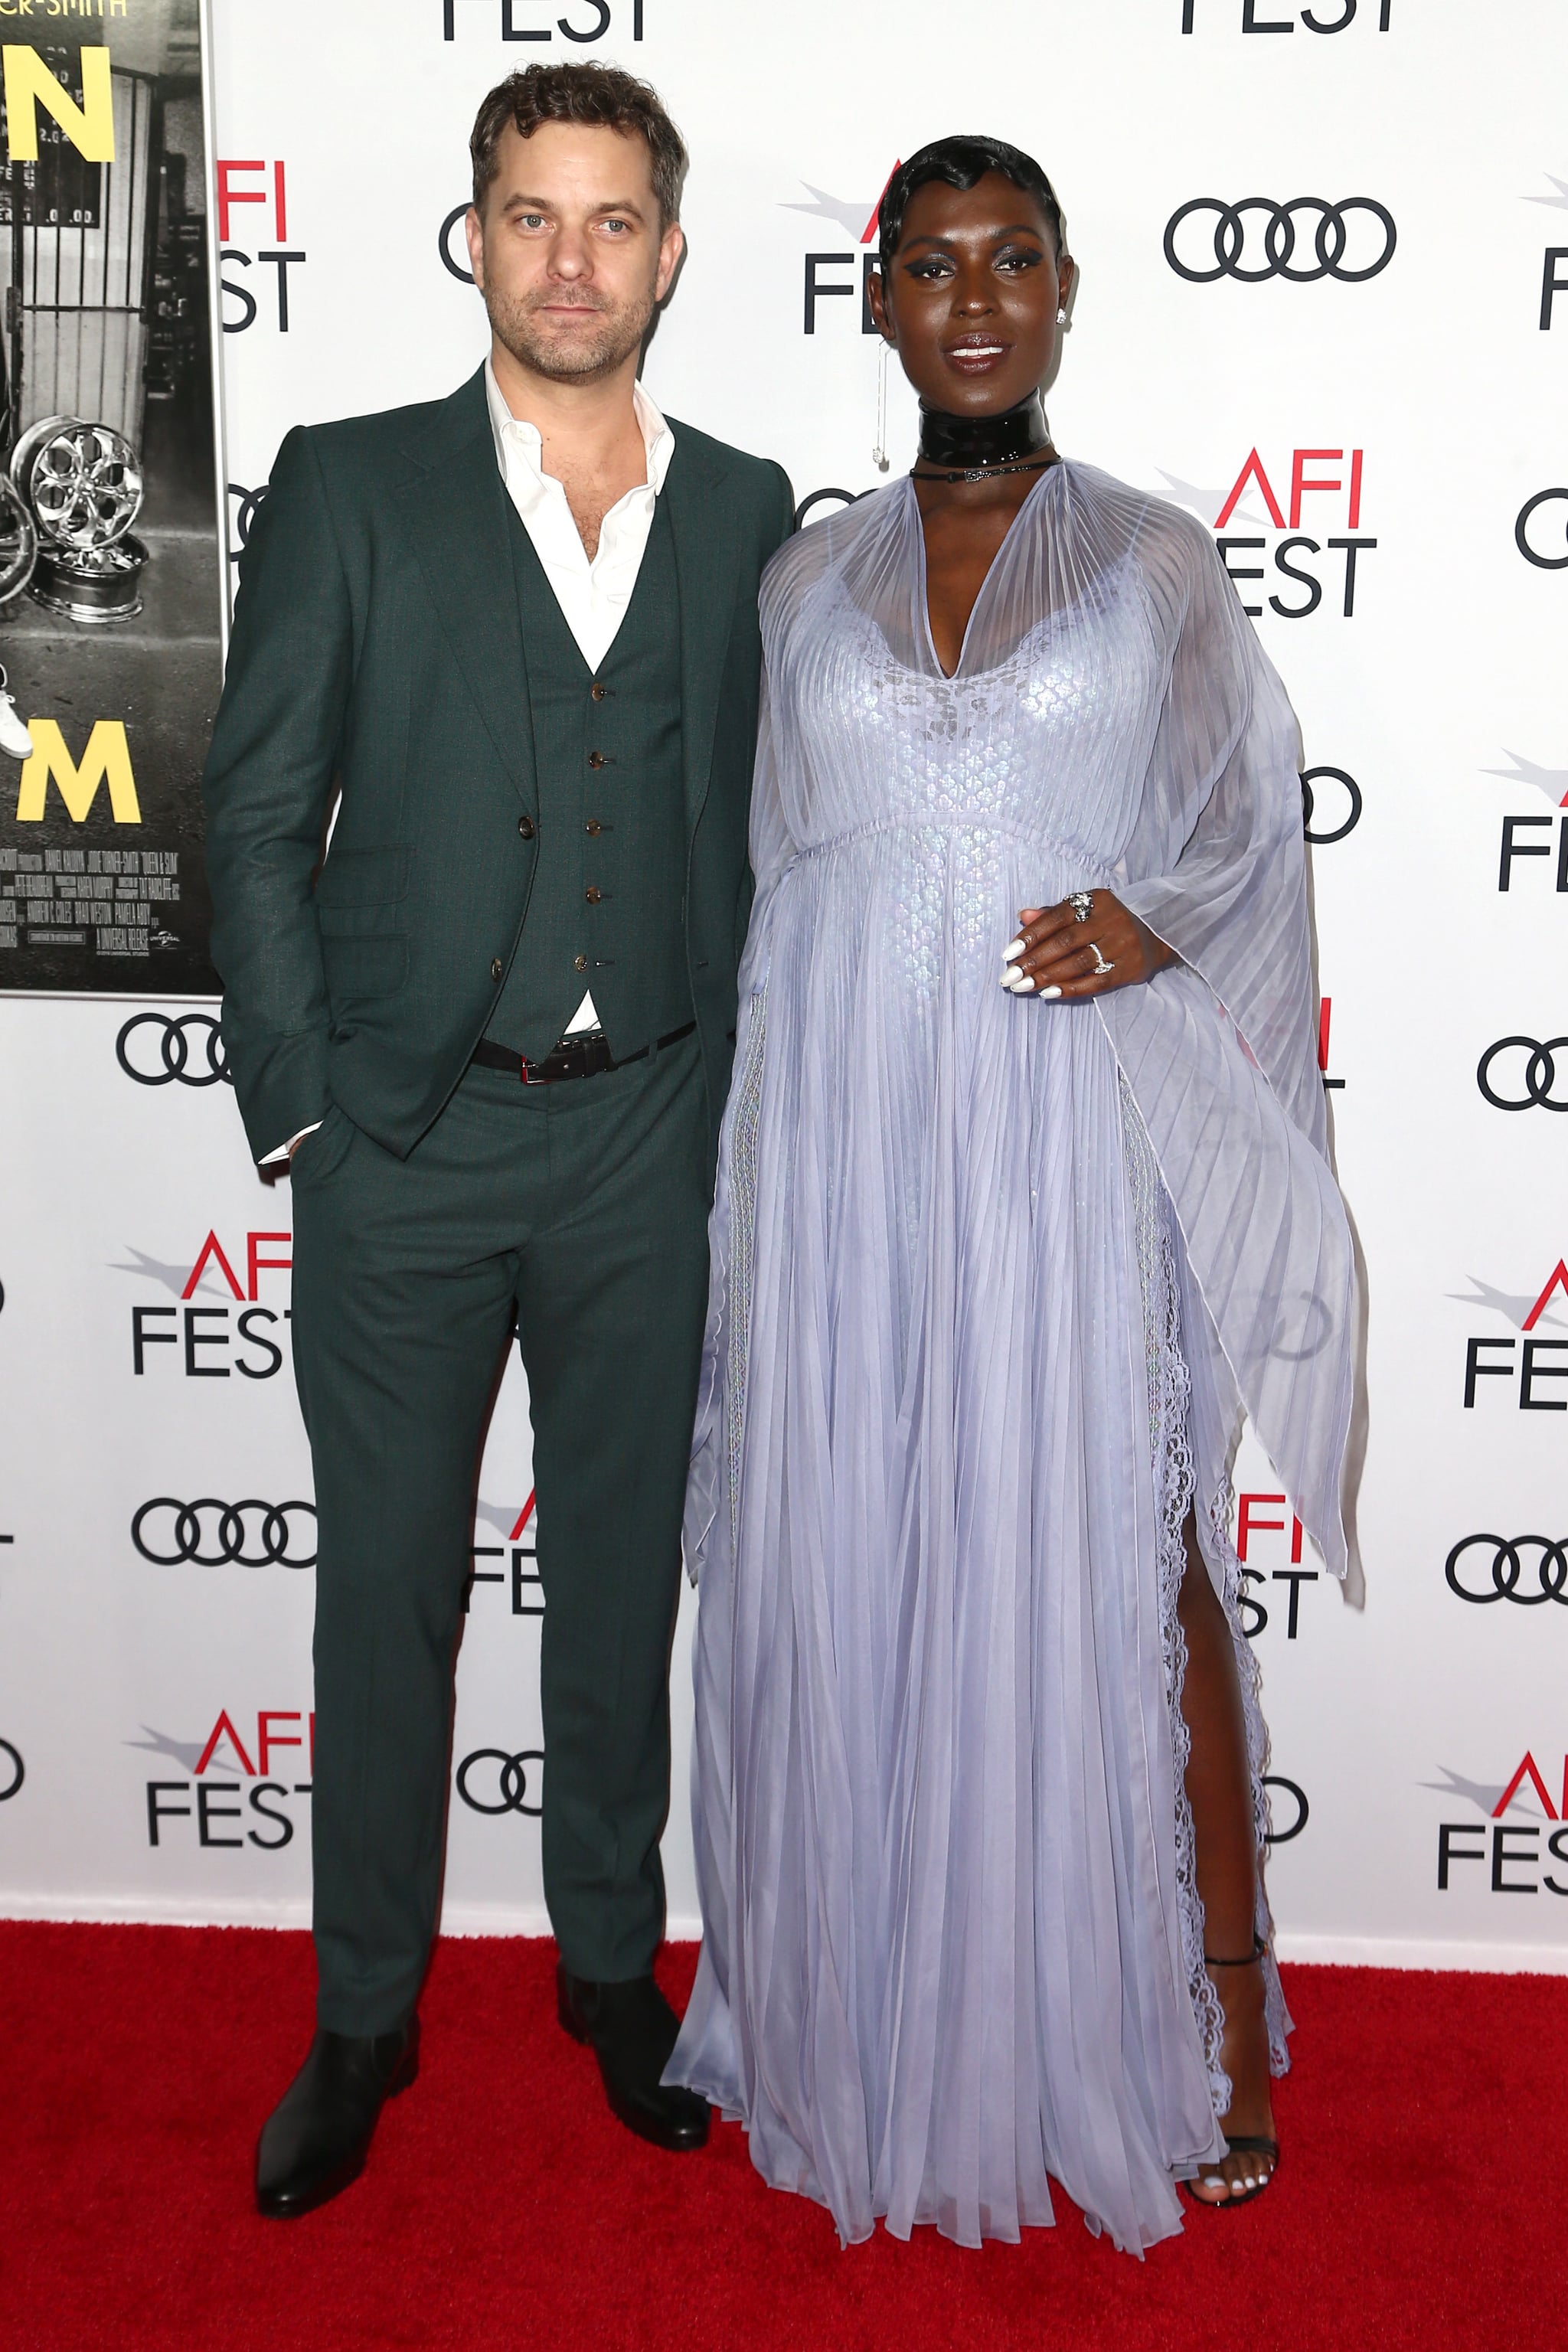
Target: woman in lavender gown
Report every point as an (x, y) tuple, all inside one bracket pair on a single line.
[(1022, 1198)]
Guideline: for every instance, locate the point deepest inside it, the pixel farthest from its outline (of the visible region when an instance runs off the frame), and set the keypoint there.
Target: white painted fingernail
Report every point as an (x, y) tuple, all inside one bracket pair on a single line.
[(1021, 984), (1049, 992), (1011, 954)]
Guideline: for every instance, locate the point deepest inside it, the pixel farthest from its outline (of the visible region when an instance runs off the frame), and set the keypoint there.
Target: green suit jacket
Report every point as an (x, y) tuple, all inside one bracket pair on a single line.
[(377, 648)]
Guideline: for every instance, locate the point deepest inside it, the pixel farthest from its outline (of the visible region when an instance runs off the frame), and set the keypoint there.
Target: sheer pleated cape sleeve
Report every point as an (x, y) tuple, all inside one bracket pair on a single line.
[(1220, 1052)]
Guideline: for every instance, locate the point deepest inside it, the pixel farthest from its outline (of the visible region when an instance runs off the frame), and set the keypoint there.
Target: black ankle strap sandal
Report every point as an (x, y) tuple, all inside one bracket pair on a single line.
[(1259, 1948), (1239, 2143)]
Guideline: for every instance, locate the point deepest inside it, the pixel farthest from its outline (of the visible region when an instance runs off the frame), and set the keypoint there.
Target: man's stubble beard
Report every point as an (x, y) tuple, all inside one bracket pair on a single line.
[(588, 359)]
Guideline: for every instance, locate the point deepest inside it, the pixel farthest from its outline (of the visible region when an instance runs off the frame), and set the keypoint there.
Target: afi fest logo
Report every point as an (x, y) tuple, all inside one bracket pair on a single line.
[(1509, 1853), (1266, 1515), (825, 281), (1314, 574), (219, 1324), (1527, 1370), (1554, 260), (530, 20), (233, 1793), (1259, 16), (520, 1531), (270, 191), (1520, 834)]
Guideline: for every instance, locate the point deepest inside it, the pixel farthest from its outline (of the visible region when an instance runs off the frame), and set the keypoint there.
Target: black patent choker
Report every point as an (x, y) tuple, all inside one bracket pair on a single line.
[(969, 449)]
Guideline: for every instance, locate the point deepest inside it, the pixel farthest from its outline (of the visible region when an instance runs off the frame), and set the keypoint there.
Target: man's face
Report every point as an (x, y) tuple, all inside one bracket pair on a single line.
[(568, 251)]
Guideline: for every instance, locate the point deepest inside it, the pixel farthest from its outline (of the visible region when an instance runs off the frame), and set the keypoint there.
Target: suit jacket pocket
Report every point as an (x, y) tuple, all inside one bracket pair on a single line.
[(321, 1155), (363, 878), (365, 966)]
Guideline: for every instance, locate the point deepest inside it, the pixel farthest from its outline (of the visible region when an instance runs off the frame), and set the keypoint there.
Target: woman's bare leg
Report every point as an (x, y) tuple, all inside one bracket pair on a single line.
[(1224, 1845)]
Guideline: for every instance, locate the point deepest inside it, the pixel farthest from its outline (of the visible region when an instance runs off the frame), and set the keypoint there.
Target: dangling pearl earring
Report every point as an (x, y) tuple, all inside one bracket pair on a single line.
[(879, 448)]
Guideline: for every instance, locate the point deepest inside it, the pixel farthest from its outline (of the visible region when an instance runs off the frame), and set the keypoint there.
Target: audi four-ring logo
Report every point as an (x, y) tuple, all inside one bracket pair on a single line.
[(1536, 1075), (1351, 817), (14, 1768), (1298, 1796), (210, 1534), (1505, 1569), (508, 1775), (161, 1058), (1270, 249), (1522, 532)]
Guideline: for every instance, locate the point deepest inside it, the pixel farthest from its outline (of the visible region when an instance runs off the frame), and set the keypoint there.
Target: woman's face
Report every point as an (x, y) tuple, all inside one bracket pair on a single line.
[(971, 296)]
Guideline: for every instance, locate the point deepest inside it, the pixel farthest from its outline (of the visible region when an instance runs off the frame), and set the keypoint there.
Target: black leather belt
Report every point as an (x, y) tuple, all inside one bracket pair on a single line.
[(575, 1057)]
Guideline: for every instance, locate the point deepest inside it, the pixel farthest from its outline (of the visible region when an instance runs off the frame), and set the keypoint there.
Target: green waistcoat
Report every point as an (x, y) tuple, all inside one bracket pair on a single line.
[(608, 908)]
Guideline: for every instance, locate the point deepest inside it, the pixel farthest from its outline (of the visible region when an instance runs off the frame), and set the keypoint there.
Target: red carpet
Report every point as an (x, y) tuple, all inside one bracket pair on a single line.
[(1419, 2204)]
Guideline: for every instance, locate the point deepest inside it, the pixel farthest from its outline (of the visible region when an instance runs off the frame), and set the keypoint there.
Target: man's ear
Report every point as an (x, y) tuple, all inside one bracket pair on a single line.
[(671, 246), (473, 230)]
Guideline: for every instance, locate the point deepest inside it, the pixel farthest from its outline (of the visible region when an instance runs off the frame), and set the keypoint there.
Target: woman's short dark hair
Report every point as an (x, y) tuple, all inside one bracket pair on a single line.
[(602, 98), (960, 162)]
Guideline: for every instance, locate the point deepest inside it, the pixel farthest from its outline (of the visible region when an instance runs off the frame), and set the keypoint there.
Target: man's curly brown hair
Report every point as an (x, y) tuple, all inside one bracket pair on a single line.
[(603, 97)]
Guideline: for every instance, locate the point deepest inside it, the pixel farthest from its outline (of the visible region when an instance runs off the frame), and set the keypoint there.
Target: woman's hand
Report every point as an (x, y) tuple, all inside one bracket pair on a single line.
[(1054, 954)]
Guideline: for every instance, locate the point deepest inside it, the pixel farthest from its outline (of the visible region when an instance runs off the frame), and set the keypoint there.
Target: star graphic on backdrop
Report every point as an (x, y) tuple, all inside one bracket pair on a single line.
[(173, 1278), (1453, 1785), (1506, 1303), (1207, 503), (1560, 200), (1552, 782), (852, 218), (184, 1752)]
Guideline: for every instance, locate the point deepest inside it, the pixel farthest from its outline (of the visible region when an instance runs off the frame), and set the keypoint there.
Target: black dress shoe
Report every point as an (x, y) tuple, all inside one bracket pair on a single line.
[(631, 2029), (315, 2140)]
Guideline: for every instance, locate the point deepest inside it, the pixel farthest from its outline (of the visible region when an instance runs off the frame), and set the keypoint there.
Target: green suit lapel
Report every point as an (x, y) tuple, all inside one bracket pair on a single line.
[(456, 516), (707, 568)]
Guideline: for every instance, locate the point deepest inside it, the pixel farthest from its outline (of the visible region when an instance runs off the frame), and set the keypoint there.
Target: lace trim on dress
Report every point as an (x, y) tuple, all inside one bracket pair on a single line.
[(1249, 1675), (747, 1115), (1171, 1452)]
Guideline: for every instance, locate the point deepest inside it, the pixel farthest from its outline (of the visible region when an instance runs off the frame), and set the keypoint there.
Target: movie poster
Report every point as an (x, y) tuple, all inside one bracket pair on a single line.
[(111, 570)]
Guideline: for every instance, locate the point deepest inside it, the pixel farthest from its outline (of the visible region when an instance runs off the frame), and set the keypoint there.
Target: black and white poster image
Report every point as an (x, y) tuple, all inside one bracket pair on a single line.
[(110, 563)]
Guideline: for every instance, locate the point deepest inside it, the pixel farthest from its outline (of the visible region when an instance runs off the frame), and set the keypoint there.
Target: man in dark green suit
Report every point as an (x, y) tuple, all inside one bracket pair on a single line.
[(516, 632)]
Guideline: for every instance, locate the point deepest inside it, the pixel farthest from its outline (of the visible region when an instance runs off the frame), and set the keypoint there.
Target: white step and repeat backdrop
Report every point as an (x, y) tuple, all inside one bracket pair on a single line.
[(1325, 305)]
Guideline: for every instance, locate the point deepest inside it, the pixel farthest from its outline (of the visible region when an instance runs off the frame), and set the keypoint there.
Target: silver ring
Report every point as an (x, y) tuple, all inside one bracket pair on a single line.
[(1083, 904), (1100, 964)]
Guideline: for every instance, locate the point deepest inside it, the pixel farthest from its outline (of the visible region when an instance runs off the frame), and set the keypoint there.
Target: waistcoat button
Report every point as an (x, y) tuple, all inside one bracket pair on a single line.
[(497, 967), (525, 827), (597, 760), (593, 827), (598, 691), (592, 894), (579, 963)]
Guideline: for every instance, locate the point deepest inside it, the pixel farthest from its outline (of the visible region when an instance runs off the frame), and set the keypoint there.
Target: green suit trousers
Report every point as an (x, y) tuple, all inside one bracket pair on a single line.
[(579, 1210)]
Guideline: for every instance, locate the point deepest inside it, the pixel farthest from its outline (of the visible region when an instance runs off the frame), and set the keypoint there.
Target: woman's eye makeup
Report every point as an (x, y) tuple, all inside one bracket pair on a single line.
[(1015, 259)]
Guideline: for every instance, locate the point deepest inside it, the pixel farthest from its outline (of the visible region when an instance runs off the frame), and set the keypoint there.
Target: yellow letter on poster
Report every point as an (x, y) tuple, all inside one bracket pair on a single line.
[(29, 84), (107, 755)]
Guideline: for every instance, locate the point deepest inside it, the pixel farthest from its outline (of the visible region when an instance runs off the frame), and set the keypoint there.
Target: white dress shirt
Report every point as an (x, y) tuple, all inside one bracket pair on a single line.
[(593, 595)]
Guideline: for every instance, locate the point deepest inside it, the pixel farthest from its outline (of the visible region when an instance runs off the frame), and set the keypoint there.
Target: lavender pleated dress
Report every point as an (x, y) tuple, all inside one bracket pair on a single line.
[(992, 1279)]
